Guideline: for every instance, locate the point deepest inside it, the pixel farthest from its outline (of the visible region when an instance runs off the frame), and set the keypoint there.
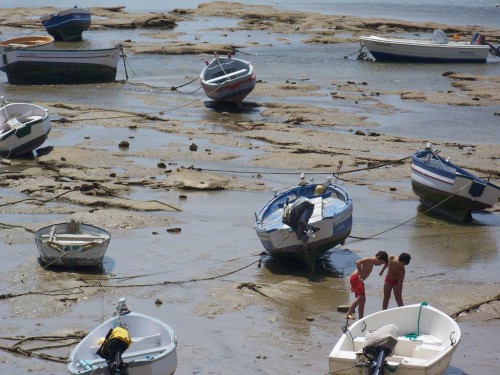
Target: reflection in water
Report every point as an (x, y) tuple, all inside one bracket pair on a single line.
[(245, 107), (302, 298), (453, 245)]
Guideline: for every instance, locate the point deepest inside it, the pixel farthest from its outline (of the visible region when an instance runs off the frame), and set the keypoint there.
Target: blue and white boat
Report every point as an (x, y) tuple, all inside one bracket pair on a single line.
[(328, 225), (448, 189), (23, 128), (438, 49), (67, 25)]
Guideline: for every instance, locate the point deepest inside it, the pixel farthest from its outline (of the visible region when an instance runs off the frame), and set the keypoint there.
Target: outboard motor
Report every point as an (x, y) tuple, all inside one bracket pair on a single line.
[(115, 343), (380, 345), (477, 39)]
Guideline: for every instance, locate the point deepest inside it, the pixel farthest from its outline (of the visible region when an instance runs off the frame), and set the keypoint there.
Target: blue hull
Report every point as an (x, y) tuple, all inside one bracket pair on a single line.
[(68, 27), (382, 56)]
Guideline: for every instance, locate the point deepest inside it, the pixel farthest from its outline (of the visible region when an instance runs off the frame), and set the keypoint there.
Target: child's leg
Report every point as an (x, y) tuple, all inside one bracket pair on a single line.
[(387, 295), (398, 294), (355, 304), (361, 307)]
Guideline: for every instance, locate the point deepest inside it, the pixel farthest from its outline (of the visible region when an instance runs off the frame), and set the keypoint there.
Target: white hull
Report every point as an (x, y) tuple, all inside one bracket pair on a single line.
[(152, 352), (72, 244), (424, 50), (47, 66), (23, 128), (429, 354), (459, 186)]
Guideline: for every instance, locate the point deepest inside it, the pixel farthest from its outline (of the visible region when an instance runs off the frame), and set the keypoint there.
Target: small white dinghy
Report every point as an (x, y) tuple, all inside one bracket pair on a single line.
[(34, 41), (131, 343), (409, 340), (72, 244)]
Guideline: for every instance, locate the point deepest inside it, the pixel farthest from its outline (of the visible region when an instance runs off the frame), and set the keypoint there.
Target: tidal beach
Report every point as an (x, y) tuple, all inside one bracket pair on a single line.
[(312, 111)]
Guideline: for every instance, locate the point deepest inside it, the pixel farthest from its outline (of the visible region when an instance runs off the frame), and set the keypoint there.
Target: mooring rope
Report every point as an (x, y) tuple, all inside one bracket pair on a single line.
[(334, 174), (413, 218)]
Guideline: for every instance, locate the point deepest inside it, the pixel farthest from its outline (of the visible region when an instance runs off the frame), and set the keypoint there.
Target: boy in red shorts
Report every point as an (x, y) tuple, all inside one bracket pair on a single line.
[(394, 278), (363, 269)]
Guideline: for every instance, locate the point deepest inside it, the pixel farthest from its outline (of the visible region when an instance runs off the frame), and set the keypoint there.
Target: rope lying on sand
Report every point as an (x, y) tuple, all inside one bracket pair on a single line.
[(61, 341), (98, 284), (474, 306)]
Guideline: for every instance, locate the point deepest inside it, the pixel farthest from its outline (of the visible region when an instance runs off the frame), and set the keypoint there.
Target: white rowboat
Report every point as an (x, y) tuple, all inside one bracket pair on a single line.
[(34, 41), (226, 79), (72, 244), (152, 351)]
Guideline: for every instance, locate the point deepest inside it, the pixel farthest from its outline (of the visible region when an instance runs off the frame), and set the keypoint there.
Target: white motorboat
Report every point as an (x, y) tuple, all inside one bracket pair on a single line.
[(409, 340), (438, 49)]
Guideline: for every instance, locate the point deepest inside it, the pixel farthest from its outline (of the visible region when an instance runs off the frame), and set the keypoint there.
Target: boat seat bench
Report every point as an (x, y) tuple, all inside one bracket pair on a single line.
[(150, 353), (229, 75), (139, 345), (425, 347)]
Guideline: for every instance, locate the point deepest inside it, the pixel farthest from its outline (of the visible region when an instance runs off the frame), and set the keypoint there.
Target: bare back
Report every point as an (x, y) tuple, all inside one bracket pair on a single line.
[(396, 269), (364, 267)]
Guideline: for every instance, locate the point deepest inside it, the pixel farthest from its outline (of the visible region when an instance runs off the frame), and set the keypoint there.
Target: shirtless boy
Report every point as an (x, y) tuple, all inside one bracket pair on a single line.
[(394, 278), (363, 269)]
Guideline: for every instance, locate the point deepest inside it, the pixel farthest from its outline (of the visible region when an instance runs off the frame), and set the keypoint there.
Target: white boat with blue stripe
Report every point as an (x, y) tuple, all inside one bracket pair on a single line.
[(438, 49), (448, 189)]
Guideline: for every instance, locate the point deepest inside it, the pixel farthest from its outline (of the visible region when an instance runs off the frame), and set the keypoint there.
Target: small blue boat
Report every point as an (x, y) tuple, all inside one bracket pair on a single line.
[(324, 221), (67, 25), (448, 189)]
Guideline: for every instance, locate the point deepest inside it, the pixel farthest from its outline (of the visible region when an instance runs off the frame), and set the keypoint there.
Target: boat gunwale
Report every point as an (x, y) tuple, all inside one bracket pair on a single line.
[(167, 349), (267, 206), (416, 160), (423, 43)]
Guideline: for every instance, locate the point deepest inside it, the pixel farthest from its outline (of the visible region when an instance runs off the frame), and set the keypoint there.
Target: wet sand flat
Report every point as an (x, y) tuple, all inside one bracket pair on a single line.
[(312, 111)]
